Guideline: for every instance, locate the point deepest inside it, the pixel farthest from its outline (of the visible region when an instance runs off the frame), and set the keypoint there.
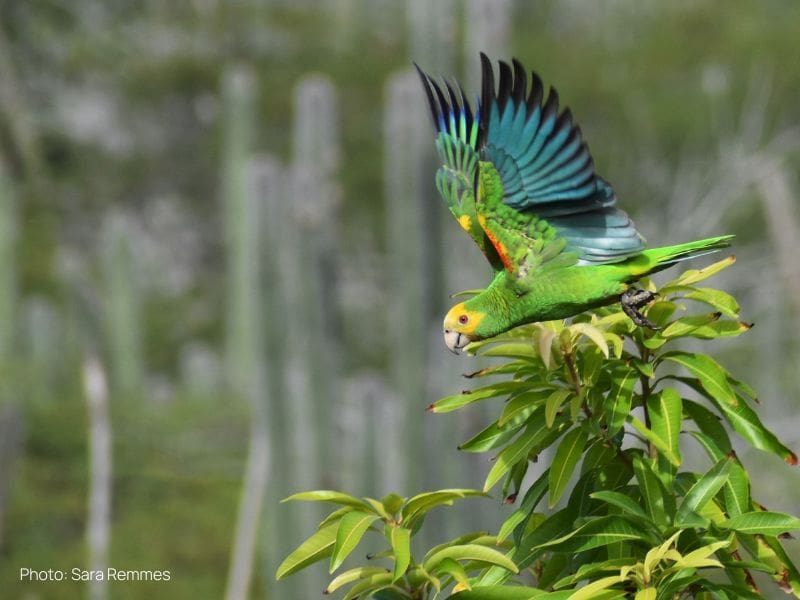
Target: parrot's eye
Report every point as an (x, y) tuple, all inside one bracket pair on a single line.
[(463, 319)]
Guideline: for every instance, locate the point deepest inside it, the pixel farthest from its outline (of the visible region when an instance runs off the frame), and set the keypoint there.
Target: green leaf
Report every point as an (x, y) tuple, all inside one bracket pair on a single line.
[(666, 412), (692, 276), (590, 590), (704, 490), (618, 402), (626, 503), (651, 436), (392, 503), (595, 534), (737, 488), (450, 567), (352, 575), (422, 503), (762, 523), (712, 377), (588, 570), (471, 552), (598, 454), (660, 311), (566, 457), (335, 516), (513, 350), (527, 550), (400, 539), (491, 437), (501, 592), (534, 435), (351, 529), (520, 407), (456, 401), (526, 510), (685, 325), (592, 333), (721, 301), (747, 424), (657, 500), (315, 548), (709, 424), (370, 584), (330, 496), (721, 328), (553, 405), (545, 346)]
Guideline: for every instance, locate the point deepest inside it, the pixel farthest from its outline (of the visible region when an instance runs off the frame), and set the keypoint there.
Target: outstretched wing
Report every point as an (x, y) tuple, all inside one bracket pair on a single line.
[(457, 129), (553, 202)]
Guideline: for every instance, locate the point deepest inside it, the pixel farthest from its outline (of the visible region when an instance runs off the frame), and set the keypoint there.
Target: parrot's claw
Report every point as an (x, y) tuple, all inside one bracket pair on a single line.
[(632, 300)]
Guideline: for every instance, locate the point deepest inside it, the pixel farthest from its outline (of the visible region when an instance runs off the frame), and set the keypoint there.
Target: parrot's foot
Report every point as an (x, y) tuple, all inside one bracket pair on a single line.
[(632, 300)]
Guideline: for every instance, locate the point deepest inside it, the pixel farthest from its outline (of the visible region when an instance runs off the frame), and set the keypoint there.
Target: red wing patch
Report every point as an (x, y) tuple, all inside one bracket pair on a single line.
[(501, 250)]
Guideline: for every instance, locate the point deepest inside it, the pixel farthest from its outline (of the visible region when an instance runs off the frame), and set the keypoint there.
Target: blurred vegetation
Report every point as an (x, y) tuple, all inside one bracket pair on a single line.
[(112, 112)]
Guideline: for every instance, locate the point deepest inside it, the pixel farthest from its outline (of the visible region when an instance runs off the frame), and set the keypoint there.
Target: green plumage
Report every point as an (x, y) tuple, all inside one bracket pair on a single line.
[(519, 178), (562, 292)]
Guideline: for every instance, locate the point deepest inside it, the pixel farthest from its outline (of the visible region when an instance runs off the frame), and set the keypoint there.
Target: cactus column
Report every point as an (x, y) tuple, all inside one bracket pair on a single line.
[(245, 356)]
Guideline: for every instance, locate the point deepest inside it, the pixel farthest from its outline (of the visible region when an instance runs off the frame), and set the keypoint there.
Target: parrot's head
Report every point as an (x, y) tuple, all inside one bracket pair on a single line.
[(461, 327)]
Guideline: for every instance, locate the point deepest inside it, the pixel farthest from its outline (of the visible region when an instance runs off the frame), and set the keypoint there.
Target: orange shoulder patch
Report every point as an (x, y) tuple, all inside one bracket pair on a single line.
[(498, 245)]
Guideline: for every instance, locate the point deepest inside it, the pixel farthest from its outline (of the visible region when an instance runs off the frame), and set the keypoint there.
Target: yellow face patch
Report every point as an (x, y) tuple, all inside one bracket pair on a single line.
[(461, 319), (465, 222)]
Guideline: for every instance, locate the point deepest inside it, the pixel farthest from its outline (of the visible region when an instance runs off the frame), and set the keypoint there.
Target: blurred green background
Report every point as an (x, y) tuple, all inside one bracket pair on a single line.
[(225, 211)]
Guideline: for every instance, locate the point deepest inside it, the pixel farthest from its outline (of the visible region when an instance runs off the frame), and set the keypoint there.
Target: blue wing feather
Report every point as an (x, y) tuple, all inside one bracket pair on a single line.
[(546, 167)]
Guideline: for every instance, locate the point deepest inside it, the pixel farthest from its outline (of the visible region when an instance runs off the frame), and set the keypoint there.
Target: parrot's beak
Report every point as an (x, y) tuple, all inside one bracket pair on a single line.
[(455, 341)]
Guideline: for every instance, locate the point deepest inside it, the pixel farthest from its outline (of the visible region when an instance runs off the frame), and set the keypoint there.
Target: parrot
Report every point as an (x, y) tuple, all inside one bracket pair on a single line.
[(518, 177)]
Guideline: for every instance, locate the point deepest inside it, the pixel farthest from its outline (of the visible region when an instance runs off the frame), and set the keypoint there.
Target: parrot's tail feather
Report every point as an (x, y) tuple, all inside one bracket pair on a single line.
[(662, 258)]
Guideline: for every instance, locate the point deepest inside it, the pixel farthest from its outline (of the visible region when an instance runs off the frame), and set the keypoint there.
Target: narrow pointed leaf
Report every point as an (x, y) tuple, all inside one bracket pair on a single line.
[(593, 334), (762, 523), (591, 590), (351, 529), (472, 552), (651, 436), (712, 377), (424, 502), (618, 402), (656, 499), (492, 437), (721, 301), (520, 407), (400, 539), (329, 496), (456, 401), (709, 424), (352, 575), (704, 490), (626, 503), (596, 533), (566, 457), (501, 592), (553, 405), (450, 567), (692, 276), (666, 412), (315, 548), (535, 434), (370, 584), (685, 325)]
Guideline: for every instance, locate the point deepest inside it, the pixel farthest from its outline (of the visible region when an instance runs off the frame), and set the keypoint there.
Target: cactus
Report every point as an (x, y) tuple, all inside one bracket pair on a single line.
[(122, 309), (245, 362)]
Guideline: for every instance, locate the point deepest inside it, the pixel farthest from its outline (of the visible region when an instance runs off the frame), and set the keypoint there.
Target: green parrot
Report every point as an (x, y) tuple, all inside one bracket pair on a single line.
[(519, 179)]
